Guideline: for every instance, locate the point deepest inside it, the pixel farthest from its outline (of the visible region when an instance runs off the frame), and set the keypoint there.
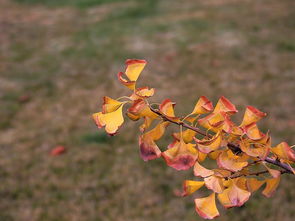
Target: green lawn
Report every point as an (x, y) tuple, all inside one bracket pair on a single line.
[(59, 57)]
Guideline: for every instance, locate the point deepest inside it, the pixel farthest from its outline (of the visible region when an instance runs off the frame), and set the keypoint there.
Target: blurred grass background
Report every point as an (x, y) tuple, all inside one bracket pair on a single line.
[(59, 57)]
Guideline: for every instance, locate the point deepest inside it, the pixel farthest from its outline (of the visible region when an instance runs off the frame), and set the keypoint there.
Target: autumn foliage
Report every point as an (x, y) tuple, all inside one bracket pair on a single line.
[(246, 160)]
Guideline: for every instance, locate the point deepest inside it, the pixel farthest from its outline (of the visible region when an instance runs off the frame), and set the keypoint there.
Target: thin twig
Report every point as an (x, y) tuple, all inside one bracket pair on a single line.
[(233, 147)]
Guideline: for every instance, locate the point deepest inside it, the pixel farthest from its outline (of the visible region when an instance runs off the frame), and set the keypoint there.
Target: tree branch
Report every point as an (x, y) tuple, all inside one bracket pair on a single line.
[(235, 148)]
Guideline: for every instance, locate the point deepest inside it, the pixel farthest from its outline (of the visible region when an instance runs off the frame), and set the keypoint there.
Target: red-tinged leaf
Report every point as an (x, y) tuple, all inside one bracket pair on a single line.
[(253, 132), (203, 106), (284, 151), (141, 93), (148, 148), (125, 82), (213, 122), (201, 171), (134, 68), (227, 160), (209, 145), (272, 172), (271, 186), (252, 115), (191, 186), (182, 156), (233, 196), (206, 207), (214, 183), (58, 151), (224, 105), (167, 109), (254, 184)]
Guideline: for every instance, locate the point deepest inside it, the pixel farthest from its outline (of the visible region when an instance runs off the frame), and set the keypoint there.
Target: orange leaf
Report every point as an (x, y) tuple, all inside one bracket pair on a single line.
[(191, 186), (134, 68), (260, 151), (203, 106), (225, 105), (143, 92), (253, 132), (271, 186), (187, 135), (206, 207), (284, 151), (167, 109), (252, 115), (110, 105), (254, 184)]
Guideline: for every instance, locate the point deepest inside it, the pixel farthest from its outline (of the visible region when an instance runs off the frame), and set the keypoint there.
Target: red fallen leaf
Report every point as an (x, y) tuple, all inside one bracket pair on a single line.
[(58, 151), (24, 98)]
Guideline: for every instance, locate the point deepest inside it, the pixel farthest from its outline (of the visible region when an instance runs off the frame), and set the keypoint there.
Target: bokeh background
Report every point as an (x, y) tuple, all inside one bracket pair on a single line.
[(59, 57)]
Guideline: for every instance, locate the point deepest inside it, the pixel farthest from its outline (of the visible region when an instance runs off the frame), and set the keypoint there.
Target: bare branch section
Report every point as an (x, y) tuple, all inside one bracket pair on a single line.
[(235, 148)]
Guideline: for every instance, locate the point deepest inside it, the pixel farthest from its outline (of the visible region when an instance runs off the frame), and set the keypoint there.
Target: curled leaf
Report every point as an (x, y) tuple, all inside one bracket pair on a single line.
[(252, 115), (201, 171), (214, 183), (224, 105), (254, 184), (191, 186), (284, 151), (227, 160), (203, 106), (148, 148), (209, 145)]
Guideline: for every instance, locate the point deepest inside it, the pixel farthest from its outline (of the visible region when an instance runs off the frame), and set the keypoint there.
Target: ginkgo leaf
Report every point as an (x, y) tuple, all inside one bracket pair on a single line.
[(227, 160), (141, 109), (260, 151), (143, 92), (213, 122), (271, 186), (221, 173), (187, 135), (203, 106), (209, 145), (111, 121), (201, 156), (182, 156), (132, 116), (254, 184), (127, 83), (252, 115), (191, 186), (214, 183), (201, 171), (284, 151), (148, 148), (272, 172), (134, 68), (110, 105), (206, 207), (233, 196), (225, 105), (253, 132), (167, 109)]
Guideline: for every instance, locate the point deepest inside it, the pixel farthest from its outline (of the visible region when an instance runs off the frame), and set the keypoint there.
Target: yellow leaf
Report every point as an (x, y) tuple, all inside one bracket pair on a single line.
[(209, 145), (144, 92), (167, 109), (201, 171), (134, 68), (148, 148), (111, 121), (191, 186), (260, 151), (203, 106), (206, 207), (213, 122), (110, 105), (252, 115), (187, 135), (127, 83), (271, 186), (253, 132)]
